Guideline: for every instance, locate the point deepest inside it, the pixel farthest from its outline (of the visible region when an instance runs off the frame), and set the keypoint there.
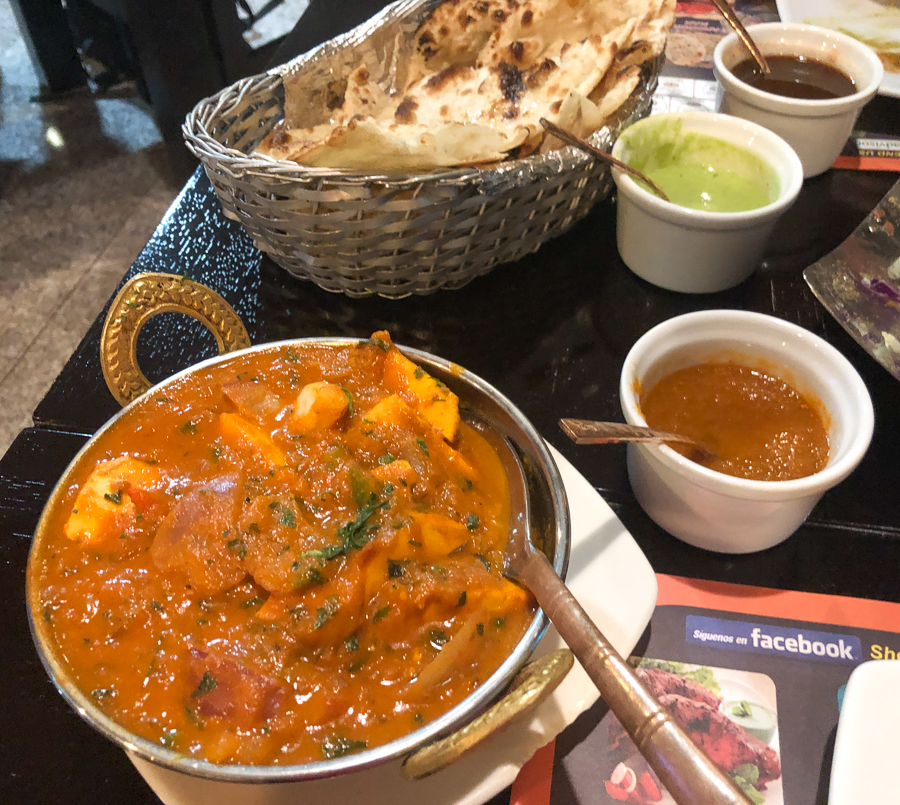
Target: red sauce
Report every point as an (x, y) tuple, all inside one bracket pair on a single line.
[(756, 425)]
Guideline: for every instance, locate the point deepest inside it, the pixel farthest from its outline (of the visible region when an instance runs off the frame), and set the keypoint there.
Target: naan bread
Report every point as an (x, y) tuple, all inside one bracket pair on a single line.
[(482, 75)]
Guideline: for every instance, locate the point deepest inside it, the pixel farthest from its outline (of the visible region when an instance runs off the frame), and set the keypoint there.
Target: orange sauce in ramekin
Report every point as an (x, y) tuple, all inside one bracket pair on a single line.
[(756, 425)]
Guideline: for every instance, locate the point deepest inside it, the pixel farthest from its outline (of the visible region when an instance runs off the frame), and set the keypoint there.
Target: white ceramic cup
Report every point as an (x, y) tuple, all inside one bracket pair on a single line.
[(721, 512), (816, 129), (695, 251)]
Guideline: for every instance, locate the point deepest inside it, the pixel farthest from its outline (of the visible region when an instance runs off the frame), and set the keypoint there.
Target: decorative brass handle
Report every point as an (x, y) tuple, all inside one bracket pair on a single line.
[(534, 683), (143, 297)]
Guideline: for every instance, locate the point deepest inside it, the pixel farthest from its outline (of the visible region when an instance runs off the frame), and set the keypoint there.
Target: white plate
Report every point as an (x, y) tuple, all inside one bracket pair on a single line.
[(862, 19), (612, 580), (868, 736)]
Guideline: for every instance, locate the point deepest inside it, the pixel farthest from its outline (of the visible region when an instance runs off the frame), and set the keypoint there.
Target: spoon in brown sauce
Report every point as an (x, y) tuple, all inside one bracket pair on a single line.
[(589, 431), (732, 19)]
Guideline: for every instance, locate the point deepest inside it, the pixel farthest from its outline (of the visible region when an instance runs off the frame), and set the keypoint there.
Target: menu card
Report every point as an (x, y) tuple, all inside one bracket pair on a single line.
[(758, 673), (687, 80)]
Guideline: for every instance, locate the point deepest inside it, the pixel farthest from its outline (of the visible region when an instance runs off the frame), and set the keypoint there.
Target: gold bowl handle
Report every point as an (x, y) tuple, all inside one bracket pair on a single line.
[(534, 683), (143, 297)]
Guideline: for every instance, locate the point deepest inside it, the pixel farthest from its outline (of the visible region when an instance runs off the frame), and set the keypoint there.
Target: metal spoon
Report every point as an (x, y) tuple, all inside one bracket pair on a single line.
[(570, 139), (689, 775), (732, 19), (588, 431)]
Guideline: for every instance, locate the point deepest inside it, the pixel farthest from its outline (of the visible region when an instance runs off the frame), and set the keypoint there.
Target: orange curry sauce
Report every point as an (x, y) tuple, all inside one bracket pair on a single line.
[(758, 426), (287, 557)]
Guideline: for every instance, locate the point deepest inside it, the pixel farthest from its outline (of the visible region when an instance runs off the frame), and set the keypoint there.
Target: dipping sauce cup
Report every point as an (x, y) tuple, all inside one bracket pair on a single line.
[(701, 250), (721, 512), (816, 129)]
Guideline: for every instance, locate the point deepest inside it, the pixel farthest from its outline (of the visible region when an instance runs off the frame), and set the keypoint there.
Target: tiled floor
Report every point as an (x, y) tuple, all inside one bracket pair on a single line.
[(83, 184)]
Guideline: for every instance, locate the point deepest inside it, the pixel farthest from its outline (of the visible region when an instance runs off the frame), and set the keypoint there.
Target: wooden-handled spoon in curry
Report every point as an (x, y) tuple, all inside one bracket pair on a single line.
[(689, 775)]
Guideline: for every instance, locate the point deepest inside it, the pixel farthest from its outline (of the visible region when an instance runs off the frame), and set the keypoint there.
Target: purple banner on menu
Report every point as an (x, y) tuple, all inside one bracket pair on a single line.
[(804, 644)]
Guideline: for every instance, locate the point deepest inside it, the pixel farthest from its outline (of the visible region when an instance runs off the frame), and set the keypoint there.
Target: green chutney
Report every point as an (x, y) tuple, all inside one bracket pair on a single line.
[(700, 171)]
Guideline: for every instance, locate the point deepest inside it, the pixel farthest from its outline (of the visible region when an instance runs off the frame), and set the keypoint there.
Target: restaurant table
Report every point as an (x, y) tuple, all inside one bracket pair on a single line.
[(550, 331)]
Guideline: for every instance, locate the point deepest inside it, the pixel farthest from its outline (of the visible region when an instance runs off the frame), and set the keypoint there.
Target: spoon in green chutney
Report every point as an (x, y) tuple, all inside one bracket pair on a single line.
[(570, 139)]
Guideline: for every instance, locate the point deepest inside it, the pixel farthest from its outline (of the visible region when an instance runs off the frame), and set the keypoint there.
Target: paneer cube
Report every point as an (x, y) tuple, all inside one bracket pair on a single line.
[(398, 472), (236, 429), (319, 406), (103, 507), (439, 535), (433, 401), (392, 411)]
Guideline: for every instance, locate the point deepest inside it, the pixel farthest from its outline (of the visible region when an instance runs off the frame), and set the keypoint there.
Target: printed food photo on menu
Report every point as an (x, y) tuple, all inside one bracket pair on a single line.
[(731, 715)]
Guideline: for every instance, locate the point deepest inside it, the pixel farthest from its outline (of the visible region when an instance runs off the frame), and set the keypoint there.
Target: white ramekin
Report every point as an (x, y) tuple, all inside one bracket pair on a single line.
[(720, 512), (694, 251), (816, 129)]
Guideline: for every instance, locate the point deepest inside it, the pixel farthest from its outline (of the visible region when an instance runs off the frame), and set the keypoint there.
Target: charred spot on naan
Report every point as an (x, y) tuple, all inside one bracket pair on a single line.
[(512, 87), (455, 73), (537, 75), (406, 111)]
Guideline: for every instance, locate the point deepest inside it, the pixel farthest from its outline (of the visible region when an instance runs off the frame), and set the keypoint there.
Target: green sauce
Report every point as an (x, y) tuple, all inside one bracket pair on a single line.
[(699, 171)]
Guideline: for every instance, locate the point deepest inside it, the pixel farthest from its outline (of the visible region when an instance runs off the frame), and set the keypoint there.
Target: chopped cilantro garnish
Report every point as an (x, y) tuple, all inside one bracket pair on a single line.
[(339, 747), (350, 409), (207, 684), (236, 547), (387, 458), (356, 665), (472, 522), (395, 569), (326, 612), (188, 428), (287, 518), (381, 614), (422, 445), (461, 601), (352, 643), (251, 602), (377, 342), (481, 558), (114, 497)]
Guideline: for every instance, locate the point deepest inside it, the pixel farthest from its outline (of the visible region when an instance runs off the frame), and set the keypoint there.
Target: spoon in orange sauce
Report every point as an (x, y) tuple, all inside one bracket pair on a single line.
[(589, 431)]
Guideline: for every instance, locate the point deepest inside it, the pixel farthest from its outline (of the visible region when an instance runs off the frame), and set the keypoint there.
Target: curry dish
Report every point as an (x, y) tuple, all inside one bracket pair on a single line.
[(286, 557)]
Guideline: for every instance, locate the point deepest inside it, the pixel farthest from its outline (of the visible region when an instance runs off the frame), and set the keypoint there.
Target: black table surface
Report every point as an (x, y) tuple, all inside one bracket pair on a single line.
[(550, 331)]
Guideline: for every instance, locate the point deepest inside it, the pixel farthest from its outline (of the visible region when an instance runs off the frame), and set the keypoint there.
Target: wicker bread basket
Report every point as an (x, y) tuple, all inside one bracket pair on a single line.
[(391, 235)]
